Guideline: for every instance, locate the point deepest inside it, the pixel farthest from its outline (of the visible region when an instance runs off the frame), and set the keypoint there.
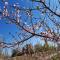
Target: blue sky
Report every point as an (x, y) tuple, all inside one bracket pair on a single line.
[(6, 28)]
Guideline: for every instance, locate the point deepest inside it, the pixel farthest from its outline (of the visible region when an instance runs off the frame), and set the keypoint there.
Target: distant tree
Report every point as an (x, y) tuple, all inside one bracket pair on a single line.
[(1, 48), (38, 48), (14, 52), (29, 49)]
